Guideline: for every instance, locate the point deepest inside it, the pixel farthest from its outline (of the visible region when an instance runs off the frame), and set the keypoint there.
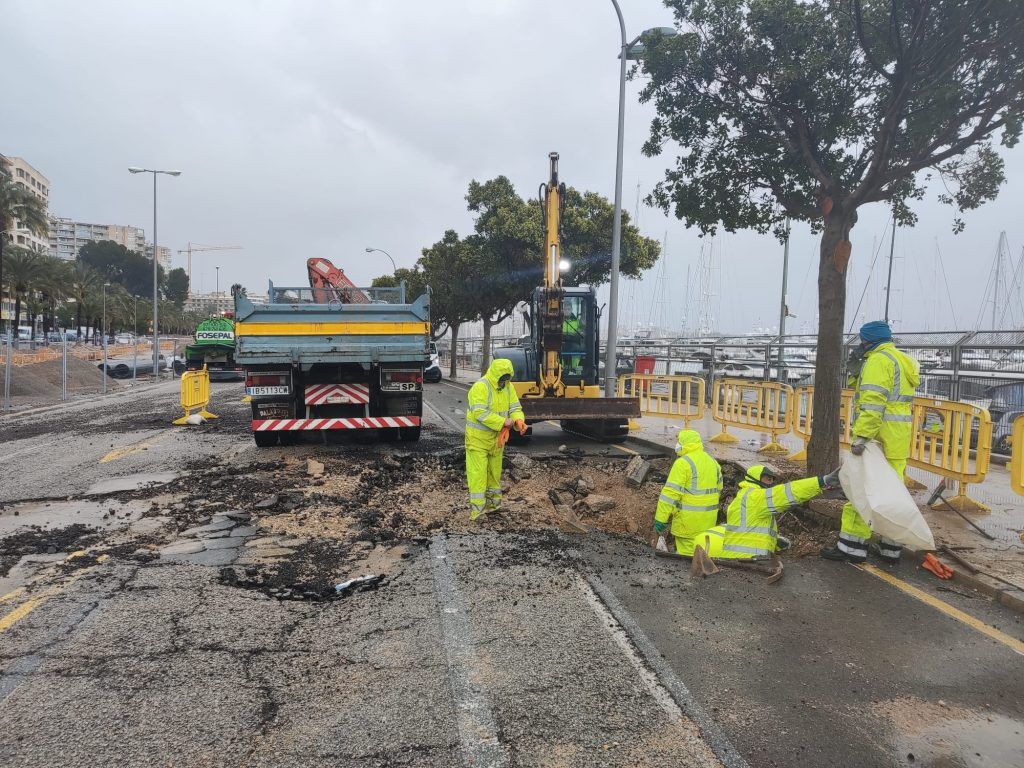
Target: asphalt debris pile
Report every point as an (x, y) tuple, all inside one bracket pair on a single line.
[(40, 541)]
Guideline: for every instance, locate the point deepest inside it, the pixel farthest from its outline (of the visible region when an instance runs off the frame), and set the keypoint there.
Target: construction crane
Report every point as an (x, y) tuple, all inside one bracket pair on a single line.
[(196, 248), (329, 283), (557, 368)]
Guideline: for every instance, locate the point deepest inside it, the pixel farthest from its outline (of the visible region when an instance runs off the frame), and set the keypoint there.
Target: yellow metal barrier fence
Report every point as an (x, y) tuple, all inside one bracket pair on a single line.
[(1017, 457), (672, 397), (758, 405), (195, 395), (802, 416), (941, 438)]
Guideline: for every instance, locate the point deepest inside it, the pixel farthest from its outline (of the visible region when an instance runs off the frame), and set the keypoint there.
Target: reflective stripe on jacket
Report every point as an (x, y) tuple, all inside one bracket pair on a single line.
[(883, 402), (750, 526), (488, 407), (691, 493)]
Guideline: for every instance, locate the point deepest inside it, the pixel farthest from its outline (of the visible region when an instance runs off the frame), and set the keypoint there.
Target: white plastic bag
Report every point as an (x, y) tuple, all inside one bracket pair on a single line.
[(880, 497), (662, 545)]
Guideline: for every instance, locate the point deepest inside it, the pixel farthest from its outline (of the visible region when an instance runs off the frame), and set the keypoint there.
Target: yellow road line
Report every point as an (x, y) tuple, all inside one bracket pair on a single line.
[(15, 593), (127, 450), (624, 448), (20, 612), (976, 624)]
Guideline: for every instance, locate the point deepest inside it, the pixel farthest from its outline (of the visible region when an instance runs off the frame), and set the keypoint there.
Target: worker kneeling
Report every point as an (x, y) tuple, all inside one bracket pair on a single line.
[(751, 529), (690, 496), (493, 409)]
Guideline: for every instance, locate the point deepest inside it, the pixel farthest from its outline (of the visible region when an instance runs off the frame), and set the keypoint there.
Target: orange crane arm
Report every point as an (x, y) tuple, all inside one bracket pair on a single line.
[(330, 283)]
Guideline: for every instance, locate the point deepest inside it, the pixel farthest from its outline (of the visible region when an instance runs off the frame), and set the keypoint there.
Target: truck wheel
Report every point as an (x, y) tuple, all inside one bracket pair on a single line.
[(409, 434), (265, 439)]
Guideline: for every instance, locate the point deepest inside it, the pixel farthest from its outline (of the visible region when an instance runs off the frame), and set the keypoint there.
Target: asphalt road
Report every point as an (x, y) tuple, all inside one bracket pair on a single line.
[(481, 647)]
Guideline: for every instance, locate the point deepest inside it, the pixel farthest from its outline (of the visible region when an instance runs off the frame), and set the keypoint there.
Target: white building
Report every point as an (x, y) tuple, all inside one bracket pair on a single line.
[(218, 302), (165, 256), (67, 236), (26, 176)]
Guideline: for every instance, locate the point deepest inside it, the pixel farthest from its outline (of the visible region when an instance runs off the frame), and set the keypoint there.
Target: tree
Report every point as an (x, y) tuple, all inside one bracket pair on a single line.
[(17, 204), (117, 264), (444, 265), (809, 109), (84, 284), (20, 272), (176, 286)]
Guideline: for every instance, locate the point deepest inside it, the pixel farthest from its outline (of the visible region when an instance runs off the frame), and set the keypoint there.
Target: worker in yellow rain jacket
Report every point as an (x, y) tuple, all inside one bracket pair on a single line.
[(690, 496), (492, 407), (881, 411), (750, 528)]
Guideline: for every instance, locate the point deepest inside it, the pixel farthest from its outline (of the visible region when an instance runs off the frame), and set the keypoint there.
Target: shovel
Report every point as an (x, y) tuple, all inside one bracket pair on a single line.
[(702, 565)]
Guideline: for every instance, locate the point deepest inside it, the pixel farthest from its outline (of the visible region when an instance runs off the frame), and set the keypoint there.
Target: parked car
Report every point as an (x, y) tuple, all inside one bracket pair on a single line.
[(124, 338), (432, 373)]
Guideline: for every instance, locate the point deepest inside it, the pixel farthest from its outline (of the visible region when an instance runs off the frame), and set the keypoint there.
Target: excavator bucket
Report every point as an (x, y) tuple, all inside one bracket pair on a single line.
[(570, 408)]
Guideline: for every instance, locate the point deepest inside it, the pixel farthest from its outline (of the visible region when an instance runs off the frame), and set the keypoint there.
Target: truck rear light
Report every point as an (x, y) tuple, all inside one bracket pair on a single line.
[(267, 380), (400, 380)]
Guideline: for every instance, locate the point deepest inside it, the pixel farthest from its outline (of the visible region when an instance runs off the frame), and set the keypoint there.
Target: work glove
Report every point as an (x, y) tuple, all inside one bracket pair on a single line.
[(520, 426), (659, 526), (831, 480), (503, 437), (508, 423), (858, 446)]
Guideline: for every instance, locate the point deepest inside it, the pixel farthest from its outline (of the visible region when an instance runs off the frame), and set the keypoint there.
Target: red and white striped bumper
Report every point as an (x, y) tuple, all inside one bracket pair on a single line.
[(294, 425)]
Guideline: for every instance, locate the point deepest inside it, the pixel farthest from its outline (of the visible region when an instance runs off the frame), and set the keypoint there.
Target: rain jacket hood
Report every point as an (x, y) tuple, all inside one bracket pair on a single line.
[(499, 367), (689, 441)]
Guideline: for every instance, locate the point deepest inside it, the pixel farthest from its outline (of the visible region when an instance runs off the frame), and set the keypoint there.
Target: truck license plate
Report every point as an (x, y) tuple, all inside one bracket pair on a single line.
[(400, 386), (259, 391)]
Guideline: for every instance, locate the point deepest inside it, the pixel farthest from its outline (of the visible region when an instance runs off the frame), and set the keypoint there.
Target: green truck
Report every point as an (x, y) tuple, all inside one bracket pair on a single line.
[(213, 346)]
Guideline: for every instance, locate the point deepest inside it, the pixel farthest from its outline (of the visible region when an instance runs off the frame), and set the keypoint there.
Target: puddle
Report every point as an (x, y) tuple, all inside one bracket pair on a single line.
[(130, 483), (52, 515), (977, 741)]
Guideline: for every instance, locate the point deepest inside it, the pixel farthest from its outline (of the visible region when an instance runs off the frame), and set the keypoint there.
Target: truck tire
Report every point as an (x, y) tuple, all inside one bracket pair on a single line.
[(265, 439), (409, 434)]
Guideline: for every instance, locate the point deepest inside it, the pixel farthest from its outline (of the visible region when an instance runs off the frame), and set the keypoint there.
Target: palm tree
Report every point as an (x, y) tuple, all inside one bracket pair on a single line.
[(17, 203), (83, 286), (21, 273), (51, 286)]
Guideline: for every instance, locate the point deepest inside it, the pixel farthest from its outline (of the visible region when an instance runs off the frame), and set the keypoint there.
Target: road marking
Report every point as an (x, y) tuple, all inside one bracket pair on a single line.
[(142, 445), (656, 671), (460, 388), (24, 451), (21, 612), (624, 448), (14, 593), (478, 732), (976, 624)]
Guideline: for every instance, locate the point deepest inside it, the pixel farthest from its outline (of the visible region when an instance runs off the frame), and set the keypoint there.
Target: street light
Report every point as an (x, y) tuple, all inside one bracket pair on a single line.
[(380, 250), (628, 50), (135, 338), (218, 279), (156, 281)]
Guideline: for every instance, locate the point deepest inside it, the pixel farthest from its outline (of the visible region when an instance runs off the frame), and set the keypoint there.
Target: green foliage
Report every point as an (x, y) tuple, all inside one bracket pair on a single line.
[(415, 281), (444, 266), (176, 286), (18, 202), (779, 104), (117, 264)]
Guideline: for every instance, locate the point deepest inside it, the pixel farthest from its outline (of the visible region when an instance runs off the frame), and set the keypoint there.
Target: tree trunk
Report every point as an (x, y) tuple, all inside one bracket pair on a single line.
[(78, 322), (453, 371), (823, 449), (485, 352), (17, 315)]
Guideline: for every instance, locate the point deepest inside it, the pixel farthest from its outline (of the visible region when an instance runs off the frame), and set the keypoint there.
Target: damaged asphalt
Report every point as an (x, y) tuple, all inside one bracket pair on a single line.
[(199, 623)]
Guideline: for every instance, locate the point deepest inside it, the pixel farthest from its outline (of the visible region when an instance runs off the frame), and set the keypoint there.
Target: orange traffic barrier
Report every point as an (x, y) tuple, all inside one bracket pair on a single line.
[(1017, 457), (195, 395), (671, 397), (758, 405), (942, 435)]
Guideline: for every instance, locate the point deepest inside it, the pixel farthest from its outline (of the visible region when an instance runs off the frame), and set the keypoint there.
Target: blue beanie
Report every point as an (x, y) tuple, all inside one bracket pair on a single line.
[(875, 332)]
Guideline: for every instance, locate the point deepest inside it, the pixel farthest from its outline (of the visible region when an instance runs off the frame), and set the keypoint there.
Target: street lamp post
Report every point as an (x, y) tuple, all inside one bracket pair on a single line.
[(381, 250), (218, 279), (613, 291), (156, 279), (135, 338)]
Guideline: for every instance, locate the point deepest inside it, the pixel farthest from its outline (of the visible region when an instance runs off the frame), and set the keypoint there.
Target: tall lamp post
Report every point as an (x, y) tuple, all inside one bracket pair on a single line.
[(156, 279), (135, 338), (218, 279), (381, 250), (628, 50)]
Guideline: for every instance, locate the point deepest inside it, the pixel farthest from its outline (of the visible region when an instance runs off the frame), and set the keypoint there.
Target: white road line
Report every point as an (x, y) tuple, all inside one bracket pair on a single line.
[(441, 417), (478, 732), (656, 674), (24, 451)]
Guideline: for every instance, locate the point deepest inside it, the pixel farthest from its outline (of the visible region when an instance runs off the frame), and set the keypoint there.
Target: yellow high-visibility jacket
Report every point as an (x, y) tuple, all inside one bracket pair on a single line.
[(691, 493), (883, 401), (750, 528), (488, 407)]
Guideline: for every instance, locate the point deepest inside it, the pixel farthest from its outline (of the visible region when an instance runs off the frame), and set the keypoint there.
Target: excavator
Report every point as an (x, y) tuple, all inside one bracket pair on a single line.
[(557, 367)]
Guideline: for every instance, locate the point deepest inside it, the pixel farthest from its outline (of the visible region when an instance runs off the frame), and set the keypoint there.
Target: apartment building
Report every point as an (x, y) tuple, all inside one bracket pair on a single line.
[(26, 176)]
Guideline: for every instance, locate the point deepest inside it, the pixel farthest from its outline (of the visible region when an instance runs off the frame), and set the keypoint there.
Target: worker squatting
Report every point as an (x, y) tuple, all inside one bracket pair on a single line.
[(689, 502)]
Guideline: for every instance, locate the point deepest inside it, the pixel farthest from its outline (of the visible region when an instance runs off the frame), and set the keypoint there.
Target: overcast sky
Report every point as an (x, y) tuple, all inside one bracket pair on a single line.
[(311, 128)]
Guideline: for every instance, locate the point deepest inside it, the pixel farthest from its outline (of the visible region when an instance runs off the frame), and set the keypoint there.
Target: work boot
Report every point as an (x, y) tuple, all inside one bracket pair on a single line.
[(782, 544), (835, 553)]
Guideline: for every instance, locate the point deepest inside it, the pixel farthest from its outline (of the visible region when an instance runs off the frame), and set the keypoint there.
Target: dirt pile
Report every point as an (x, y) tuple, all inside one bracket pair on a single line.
[(43, 379)]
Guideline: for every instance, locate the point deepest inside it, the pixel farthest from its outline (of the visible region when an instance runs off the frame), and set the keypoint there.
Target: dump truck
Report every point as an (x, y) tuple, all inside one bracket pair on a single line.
[(321, 359), (213, 345), (557, 367)]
